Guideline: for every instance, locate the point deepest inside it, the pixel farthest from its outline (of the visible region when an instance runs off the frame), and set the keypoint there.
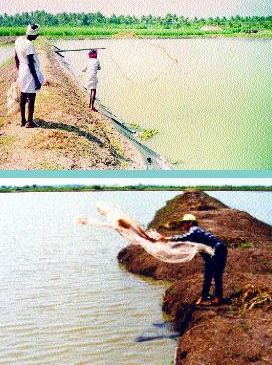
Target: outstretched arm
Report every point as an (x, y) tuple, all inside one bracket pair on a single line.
[(31, 64), (190, 236)]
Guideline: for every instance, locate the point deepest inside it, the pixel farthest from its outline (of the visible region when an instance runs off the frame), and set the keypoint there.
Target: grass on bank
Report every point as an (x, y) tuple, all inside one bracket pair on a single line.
[(107, 32), (140, 187)]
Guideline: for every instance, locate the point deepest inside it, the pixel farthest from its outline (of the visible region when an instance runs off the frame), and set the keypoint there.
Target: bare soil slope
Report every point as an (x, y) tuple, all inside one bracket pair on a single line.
[(69, 137)]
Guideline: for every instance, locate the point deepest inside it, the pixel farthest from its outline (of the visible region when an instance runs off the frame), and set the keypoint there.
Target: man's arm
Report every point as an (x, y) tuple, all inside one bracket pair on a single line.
[(17, 61), (31, 64), (190, 236)]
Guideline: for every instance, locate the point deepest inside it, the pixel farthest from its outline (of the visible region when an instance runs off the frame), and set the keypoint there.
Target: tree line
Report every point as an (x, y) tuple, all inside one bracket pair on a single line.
[(139, 187), (145, 21)]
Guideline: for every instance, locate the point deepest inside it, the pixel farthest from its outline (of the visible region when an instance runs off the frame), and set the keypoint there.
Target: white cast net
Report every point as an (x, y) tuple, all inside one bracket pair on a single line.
[(151, 241)]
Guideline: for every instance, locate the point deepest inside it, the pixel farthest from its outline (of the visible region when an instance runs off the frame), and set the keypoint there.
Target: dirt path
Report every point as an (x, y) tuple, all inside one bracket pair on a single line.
[(69, 137)]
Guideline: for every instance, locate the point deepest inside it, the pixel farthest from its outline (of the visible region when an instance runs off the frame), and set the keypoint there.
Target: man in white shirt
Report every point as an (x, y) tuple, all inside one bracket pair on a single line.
[(92, 69), (30, 76)]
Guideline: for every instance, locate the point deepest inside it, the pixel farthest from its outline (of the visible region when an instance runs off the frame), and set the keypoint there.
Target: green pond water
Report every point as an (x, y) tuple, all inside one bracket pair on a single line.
[(209, 99)]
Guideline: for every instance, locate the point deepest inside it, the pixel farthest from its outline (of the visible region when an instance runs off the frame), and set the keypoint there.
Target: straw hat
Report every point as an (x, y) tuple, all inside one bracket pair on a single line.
[(188, 218), (32, 29)]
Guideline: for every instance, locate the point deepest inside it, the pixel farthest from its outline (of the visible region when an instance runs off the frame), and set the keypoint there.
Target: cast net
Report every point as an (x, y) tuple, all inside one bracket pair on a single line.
[(151, 59), (150, 240)]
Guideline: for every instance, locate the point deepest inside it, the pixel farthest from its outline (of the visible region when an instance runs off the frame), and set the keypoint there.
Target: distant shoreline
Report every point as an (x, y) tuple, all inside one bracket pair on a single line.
[(98, 188), (97, 25), (266, 35), (8, 33)]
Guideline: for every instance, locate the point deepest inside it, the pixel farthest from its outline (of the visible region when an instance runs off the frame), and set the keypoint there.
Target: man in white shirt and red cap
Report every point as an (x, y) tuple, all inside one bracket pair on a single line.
[(30, 76), (92, 69)]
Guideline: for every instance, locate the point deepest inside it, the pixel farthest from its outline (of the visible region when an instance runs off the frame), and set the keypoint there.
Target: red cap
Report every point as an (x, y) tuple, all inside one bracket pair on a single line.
[(92, 53)]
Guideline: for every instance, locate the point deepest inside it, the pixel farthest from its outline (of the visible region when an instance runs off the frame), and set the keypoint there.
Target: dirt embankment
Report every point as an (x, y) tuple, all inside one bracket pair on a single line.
[(240, 331), (69, 137)]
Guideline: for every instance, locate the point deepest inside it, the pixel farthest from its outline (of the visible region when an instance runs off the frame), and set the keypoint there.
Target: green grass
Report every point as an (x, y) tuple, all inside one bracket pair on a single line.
[(109, 31), (6, 141), (148, 133), (2, 122), (246, 245), (47, 165)]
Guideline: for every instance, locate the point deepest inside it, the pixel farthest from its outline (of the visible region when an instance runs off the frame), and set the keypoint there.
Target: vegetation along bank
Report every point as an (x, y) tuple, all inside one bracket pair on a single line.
[(97, 25)]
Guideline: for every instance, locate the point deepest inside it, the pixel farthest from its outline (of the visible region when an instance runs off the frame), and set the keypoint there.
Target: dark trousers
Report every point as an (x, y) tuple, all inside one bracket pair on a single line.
[(30, 98), (214, 269)]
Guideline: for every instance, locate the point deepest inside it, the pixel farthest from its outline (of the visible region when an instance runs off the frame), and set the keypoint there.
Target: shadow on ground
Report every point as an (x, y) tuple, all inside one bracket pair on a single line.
[(69, 128)]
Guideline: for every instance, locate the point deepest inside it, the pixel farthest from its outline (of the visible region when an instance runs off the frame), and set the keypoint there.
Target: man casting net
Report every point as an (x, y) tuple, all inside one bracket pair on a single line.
[(152, 242)]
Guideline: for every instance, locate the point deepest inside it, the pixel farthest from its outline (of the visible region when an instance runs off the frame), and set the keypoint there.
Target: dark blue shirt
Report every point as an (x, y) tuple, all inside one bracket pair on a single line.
[(198, 235)]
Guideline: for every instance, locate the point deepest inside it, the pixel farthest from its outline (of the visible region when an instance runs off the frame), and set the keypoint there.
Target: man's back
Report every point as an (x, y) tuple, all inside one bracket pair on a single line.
[(93, 67), (23, 48), (199, 235)]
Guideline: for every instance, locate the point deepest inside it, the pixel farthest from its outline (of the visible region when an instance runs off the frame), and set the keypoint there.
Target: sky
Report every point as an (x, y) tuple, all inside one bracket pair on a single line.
[(135, 181), (189, 8)]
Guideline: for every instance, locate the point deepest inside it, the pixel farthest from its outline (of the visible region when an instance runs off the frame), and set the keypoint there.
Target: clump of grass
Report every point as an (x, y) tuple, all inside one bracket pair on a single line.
[(6, 141), (2, 122), (118, 150), (245, 245), (176, 162), (45, 96), (124, 165), (134, 125), (148, 133), (172, 290), (49, 166), (251, 297)]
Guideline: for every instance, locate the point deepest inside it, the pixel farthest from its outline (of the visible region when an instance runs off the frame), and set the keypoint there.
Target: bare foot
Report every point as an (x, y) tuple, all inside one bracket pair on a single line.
[(216, 301), (202, 301), (31, 125), (93, 110)]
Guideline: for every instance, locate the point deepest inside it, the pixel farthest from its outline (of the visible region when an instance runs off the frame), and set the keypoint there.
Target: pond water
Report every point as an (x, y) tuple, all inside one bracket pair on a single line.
[(64, 298), (210, 99)]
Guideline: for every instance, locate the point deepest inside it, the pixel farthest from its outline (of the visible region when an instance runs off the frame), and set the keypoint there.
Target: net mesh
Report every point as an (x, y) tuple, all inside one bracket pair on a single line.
[(147, 45), (151, 241)]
